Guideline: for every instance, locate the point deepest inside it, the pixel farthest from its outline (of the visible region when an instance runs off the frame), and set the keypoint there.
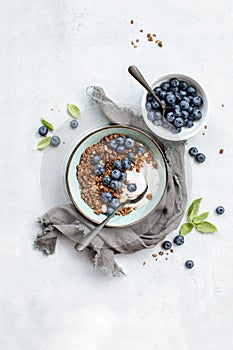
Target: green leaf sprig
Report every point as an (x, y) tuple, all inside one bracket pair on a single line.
[(197, 221), (73, 110), (44, 143), (47, 124)]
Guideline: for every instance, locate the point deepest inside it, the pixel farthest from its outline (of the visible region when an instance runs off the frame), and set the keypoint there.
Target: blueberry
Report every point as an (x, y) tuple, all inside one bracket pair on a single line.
[(165, 86), (55, 141), (191, 90), (177, 111), (162, 95), (174, 89), (96, 159), (157, 122), (123, 177), (191, 117), (113, 144), (115, 203), (185, 121), (149, 106), (167, 245), (183, 85), (174, 82), (132, 187), (115, 185), (117, 164), (170, 117), (106, 180), (126, 164), (179, 240), (151, 116), (197, 101), (115, 174), (106, 197), (176, 130), (190, 124), (99, 169), (158, 115), (110, 210), (186, 98), (43, 131), (141, 150), (155, 104), (178, 122), (74, 124), (189, 264), (197, 114), (183, 93), (120, 140), (200, 157), (157, 91), (149, 97), (193, 151), (170, 98), (120, 149), (184, 104), (165, 125), (129, 143), (131, 155), (184, 114), (178, 97), (220, 210), (190, 110)]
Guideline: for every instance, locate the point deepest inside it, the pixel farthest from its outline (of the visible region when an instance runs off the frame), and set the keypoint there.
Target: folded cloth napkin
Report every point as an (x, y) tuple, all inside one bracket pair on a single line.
[(65, 220)]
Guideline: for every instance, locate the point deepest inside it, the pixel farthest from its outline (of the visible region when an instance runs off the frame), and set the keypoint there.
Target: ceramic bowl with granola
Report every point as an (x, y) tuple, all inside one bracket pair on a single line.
[(111, 165)]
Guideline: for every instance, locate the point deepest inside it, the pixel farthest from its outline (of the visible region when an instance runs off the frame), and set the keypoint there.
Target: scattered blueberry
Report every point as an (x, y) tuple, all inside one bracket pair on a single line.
[(193, 151), (149, 97), (162, 95), (191, 90), (197, 114), (200, 157), (115, 185), (132, 187), (183, 85), (99, 169), (179, 240), (183, 93), (167, 245), (120, 140), (170, 117), (115, 203), (106, 197), (170, 98), (157, 91), (115, 174), (141, 150), (113, 144), (178, 122), (117, 164), (96, 159), (74, 124), (106, 180), (220, 210), (55, 141), (110, 210), (120, 149), (165, 86), (126, 164), (43, 131), (155, 104), (184, 114), (184, 104), (174, 82), (123, 177), (189, 264)]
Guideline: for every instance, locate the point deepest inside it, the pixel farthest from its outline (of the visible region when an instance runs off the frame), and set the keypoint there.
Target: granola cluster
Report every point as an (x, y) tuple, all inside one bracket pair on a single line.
[(91, 185)]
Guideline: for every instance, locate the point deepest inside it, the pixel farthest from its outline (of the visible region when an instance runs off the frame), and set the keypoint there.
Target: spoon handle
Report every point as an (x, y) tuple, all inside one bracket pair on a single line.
[(134, 71), (86, 240)]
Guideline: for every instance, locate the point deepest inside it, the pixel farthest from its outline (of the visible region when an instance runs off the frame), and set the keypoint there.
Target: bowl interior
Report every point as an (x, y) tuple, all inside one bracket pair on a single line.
[(186, 132), (73, 185)]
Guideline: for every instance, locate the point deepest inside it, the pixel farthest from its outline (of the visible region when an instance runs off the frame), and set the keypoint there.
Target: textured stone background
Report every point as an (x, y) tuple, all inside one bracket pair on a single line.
[(50, 51)]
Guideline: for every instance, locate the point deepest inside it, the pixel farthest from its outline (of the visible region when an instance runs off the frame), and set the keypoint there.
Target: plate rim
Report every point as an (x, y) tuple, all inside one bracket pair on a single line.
[(77, 146)]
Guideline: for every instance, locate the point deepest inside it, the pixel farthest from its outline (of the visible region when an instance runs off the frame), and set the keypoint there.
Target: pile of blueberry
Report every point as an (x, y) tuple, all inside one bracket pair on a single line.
[(182, 98), (200, 157), (118, 174)]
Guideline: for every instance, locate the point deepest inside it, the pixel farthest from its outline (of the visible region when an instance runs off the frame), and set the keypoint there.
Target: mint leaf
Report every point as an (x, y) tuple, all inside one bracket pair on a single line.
[(200, 218), (186, 228), (44, 143), (194, 208), (47, 124), (206, 227), (73, 110)]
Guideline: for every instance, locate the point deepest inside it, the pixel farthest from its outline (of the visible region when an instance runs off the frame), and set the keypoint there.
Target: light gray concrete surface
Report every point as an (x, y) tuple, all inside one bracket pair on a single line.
[(50, 51)]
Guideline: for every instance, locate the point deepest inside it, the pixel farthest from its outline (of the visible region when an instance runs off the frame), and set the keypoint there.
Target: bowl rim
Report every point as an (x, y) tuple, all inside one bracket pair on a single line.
[(78, 145), (176, 137)]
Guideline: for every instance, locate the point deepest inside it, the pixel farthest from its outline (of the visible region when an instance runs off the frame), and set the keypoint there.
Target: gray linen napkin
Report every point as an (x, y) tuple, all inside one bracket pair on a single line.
[(65, 220)]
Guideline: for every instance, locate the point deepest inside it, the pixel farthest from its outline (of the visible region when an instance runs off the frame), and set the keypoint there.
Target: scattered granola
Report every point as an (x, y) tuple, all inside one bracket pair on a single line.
[(221, 151), (144, 263)]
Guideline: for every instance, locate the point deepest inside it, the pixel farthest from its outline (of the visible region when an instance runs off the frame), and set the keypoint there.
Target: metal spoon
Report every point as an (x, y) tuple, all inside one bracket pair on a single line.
[(85, 241), (134, 71)]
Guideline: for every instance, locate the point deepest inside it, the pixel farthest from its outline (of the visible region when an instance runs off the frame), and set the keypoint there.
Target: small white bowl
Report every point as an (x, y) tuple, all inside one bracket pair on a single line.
[(185, 133)]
